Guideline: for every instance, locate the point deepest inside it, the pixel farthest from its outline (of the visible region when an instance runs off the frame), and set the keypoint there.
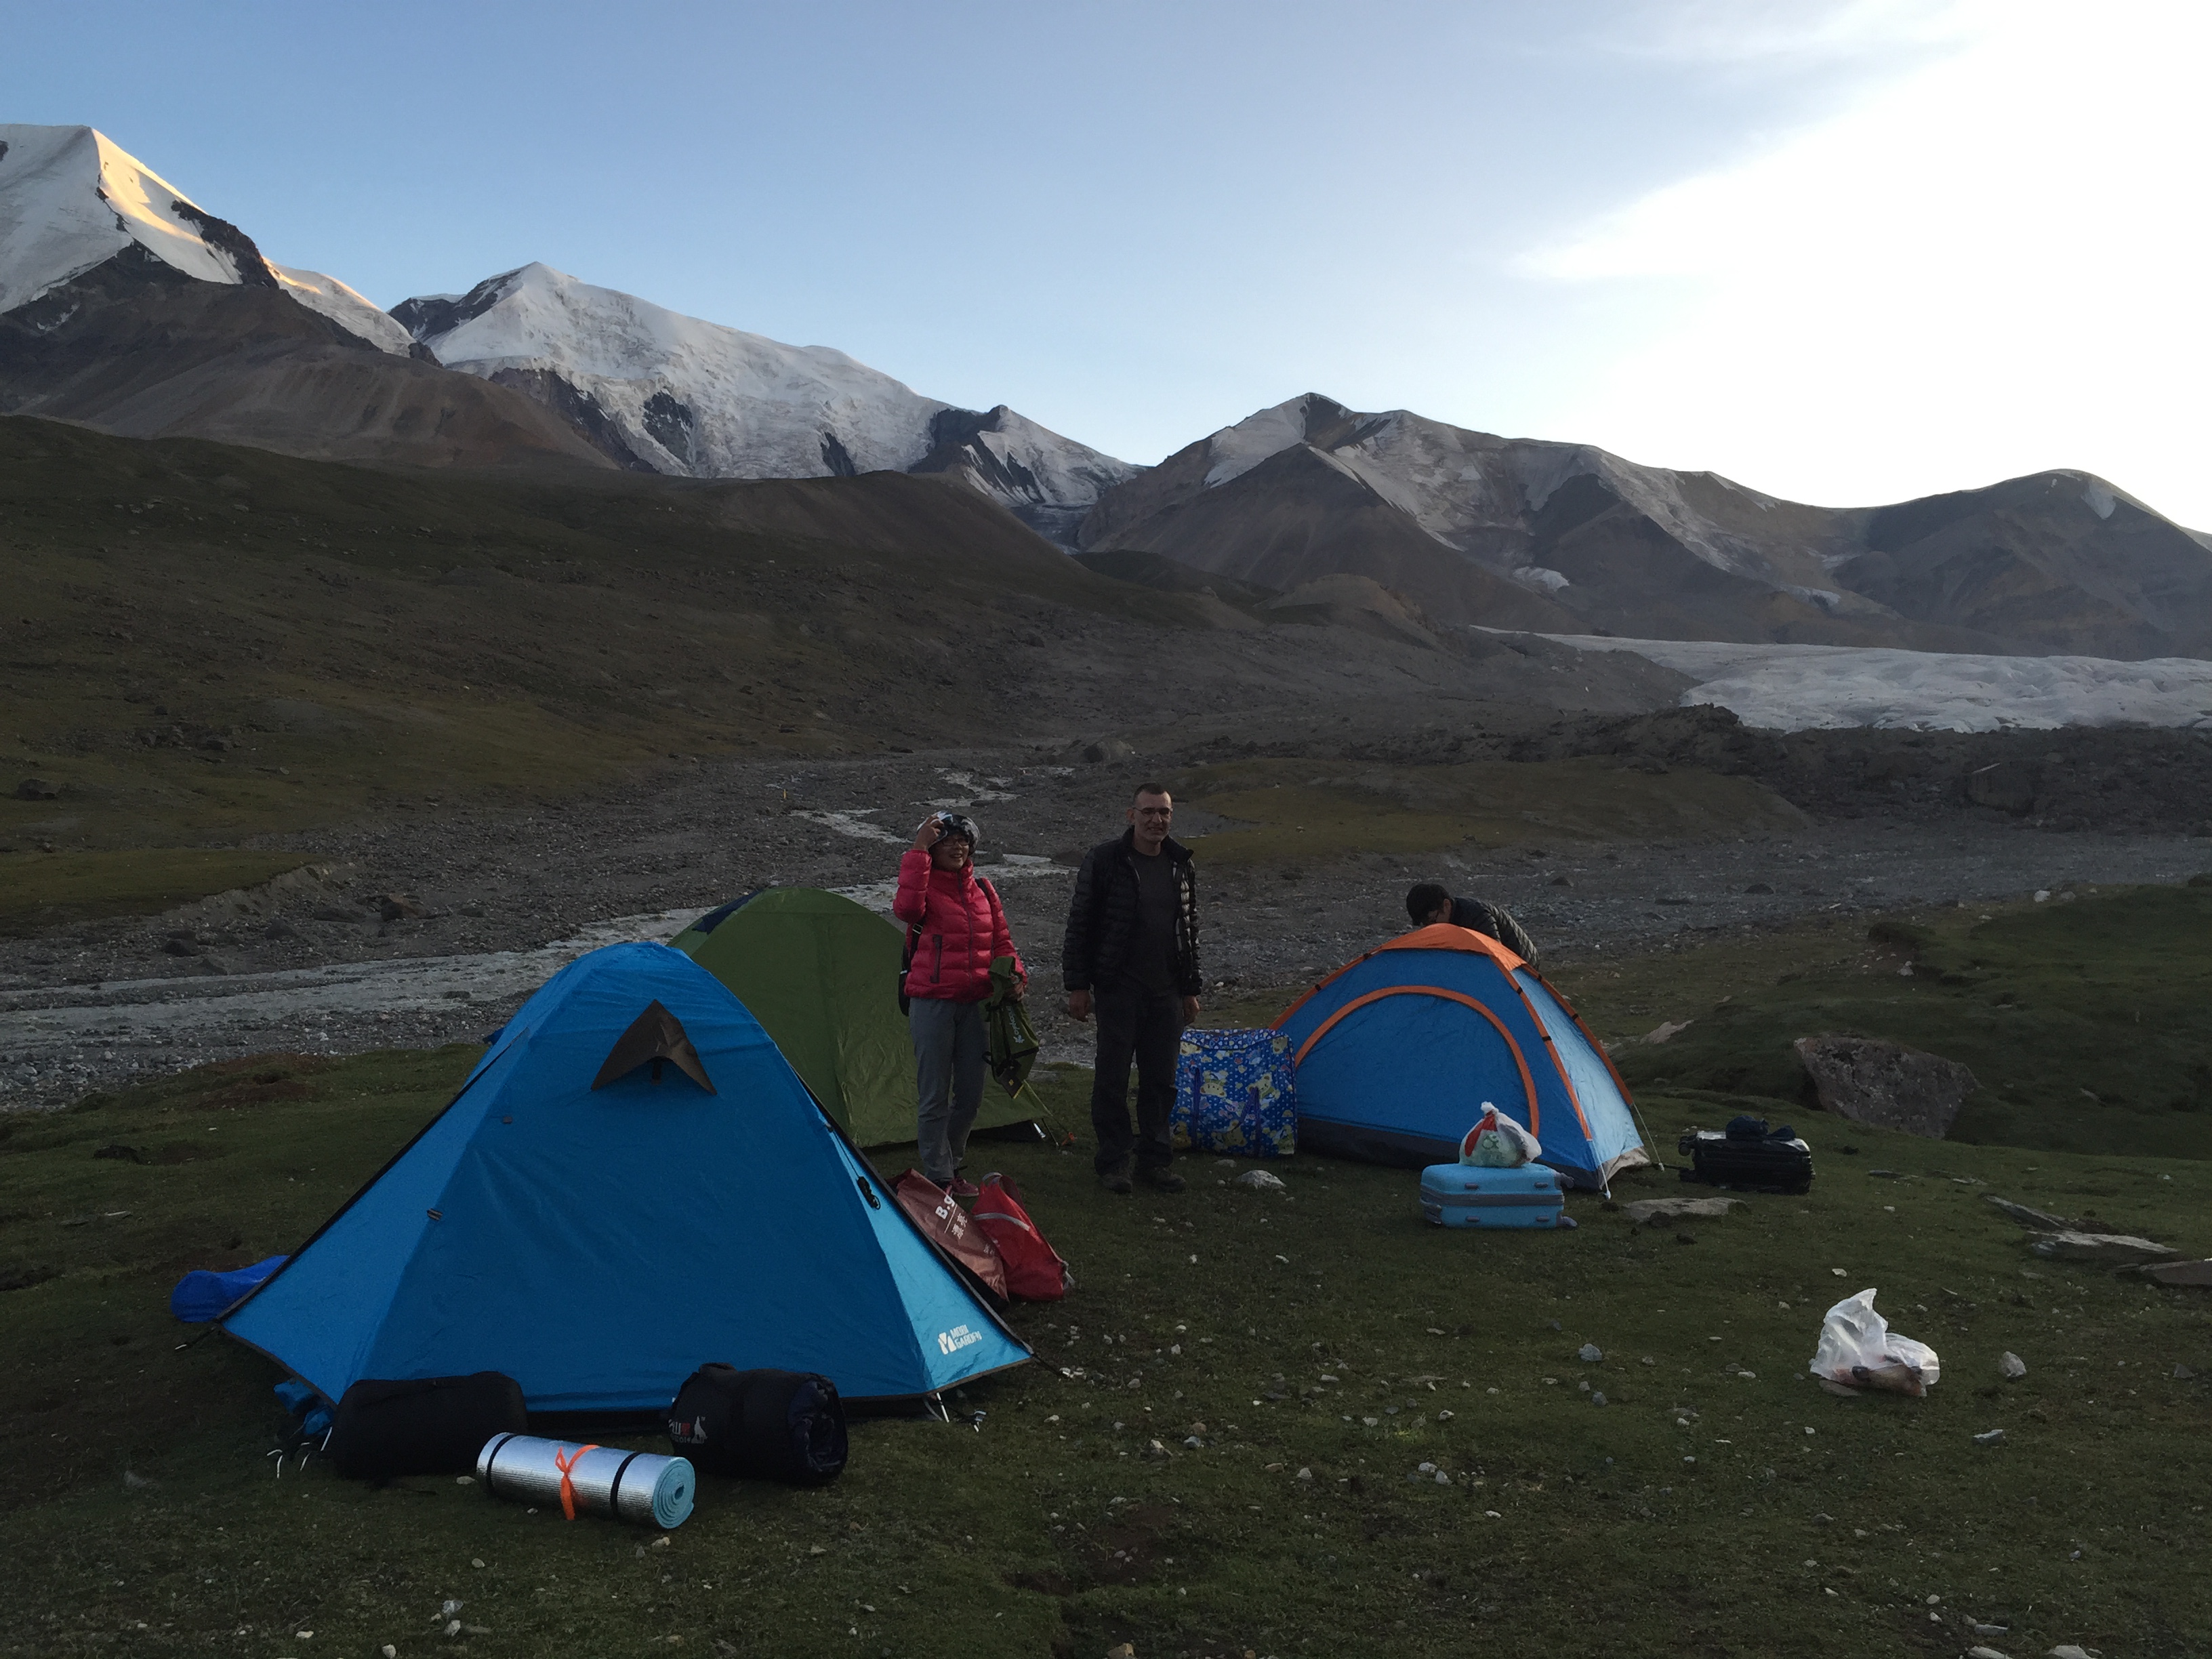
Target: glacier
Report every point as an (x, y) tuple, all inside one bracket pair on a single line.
[(1793, 688)]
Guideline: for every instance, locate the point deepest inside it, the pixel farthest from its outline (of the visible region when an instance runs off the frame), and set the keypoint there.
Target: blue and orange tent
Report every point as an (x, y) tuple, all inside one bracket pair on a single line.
[(632, 1182), (1397, 1052)]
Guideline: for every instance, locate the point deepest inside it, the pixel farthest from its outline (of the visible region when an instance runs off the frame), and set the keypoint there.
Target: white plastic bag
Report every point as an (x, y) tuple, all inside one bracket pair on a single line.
[(1497, 1142), (1857, 1352)]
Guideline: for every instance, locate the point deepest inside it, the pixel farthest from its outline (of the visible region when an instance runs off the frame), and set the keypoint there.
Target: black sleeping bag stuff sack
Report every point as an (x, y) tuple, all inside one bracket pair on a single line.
[(764, 1426), (428, 1426)]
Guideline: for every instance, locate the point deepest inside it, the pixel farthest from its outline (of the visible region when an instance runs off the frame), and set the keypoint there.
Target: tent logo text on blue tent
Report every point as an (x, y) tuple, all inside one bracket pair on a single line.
[(957, 1338)]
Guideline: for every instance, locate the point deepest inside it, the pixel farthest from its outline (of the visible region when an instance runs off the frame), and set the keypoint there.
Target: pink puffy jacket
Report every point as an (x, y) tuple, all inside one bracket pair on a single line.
[(961, 925)]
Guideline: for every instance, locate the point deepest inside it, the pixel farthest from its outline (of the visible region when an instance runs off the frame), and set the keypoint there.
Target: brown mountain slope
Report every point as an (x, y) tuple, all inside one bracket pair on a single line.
[(1301, 515), (137, 348), (1480, 528)]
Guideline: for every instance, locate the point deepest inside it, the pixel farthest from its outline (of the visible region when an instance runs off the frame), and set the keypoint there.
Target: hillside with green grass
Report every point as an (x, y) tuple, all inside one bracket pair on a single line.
[(200, 643)]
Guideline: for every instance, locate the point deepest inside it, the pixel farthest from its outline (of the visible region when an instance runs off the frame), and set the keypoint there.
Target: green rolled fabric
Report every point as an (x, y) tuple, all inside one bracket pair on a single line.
[(1012, 1040)]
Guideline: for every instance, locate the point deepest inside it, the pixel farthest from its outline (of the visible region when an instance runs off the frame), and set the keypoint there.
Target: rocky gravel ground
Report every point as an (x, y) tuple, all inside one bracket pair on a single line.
[(432, 928)]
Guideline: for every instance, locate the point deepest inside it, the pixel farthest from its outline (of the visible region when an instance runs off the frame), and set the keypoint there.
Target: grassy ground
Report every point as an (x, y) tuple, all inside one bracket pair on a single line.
[(1718, 1503), (46, 890), (1288, 810)]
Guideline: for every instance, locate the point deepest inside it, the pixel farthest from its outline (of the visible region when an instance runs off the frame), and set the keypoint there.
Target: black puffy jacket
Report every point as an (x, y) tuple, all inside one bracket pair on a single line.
[(1102, 917), (1495, 920)]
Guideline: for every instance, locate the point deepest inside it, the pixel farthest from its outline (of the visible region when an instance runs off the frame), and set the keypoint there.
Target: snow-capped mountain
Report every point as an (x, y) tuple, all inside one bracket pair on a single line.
[(72, 200), (1566, 537), (665, 392)]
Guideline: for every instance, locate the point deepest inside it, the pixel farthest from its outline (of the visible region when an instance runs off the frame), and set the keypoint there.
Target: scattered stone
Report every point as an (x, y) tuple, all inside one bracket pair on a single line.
[(1988, 1629), (1993, 1438), (1302, 1474), (1195, 1444), (1758, 887), (181, 944), (2183, 1374), (1823, 1520), (2036, 1221), (2179, 1273), (1667, 1030), (2011, 1366), (1885, 1083), (1126, 1650), (1260, 1181), (121, 1153), (1983, 1653), (280, 929), (1591, 1352), (1597, 1397), (133, 1481), (389, 1651), (36, 789), (2068, 1650), (453, 1628), (1652, 1212), (2103, 1249), (392, 907)]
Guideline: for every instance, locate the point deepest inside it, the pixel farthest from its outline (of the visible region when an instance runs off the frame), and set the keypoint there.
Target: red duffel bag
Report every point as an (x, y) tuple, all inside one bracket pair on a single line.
[(1035, 1272), (943, 1222)]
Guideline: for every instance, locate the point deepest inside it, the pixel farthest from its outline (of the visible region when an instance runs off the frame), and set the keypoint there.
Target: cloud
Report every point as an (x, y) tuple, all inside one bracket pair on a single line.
[(1988, 265)]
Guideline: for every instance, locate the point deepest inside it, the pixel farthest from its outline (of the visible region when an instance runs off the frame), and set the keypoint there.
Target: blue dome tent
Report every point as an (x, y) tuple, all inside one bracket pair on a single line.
[(1397, 1051), (631, 1183)]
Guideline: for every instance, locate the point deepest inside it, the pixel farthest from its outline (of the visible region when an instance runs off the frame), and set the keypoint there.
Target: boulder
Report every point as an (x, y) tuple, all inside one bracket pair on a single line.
[(2036, 1221), (36, 789), (2102, 1250), (2195, 1274), (1885, 1083)]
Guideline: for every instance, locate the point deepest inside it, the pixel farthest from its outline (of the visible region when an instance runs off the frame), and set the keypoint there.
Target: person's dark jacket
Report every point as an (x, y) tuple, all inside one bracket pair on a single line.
[(1103, 920), (1497, 923)]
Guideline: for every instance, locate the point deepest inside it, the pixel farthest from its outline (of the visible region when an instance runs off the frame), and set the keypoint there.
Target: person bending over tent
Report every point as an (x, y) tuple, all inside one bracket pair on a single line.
[(1429, 902), (955, 927)]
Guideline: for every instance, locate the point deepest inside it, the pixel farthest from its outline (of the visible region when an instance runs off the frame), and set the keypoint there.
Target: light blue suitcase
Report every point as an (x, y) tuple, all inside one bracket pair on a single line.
[(1466, 1195)]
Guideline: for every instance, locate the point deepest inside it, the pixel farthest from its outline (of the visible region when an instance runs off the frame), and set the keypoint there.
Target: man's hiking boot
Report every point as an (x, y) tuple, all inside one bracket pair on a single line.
[(961, 1187), (1115, 1181), (1166, 1180)]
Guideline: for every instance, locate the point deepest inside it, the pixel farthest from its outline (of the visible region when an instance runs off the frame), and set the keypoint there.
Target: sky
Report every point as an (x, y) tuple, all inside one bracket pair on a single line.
[(1841, 250)]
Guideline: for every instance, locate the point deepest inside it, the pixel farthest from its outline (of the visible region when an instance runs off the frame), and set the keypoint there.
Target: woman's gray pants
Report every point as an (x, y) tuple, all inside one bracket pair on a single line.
[(948, 1054)]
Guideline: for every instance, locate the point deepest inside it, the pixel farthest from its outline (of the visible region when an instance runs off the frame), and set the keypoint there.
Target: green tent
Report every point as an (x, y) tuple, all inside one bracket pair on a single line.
[(820, 973)]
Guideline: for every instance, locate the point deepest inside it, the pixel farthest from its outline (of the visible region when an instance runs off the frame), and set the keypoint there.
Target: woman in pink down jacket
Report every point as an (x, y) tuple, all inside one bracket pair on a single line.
[(956, 926)]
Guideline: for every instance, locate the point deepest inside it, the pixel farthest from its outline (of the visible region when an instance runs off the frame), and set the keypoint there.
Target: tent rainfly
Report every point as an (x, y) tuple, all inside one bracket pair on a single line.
[(632, 1182), (1397, 1051)]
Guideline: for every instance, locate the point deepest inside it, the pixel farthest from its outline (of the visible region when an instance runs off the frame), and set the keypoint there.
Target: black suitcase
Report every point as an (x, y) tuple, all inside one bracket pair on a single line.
[(1749, 1157), (761, 1425), (421, 1426)]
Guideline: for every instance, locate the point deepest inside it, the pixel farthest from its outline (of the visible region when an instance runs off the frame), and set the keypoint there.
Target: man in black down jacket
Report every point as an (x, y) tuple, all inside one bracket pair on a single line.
[(1132, 957)]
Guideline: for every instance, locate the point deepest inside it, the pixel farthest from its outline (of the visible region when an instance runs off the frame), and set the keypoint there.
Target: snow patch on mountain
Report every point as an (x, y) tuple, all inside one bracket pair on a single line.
[(71, 199), (698, 399), (343, 305), (1792, 688)]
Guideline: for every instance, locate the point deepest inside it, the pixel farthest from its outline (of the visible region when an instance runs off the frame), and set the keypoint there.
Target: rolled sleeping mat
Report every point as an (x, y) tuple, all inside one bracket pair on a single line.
[(761, 1425), (643, 1488)]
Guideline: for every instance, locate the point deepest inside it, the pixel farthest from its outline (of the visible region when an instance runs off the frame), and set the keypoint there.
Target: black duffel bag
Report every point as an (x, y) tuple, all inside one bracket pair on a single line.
[(764, 1426), (423, 1425), (1749, 1157)]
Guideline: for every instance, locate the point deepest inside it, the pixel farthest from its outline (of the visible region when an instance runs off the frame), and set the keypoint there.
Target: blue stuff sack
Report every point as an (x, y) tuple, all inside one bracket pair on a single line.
[(1233, 1095)]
